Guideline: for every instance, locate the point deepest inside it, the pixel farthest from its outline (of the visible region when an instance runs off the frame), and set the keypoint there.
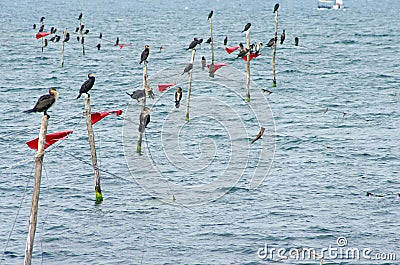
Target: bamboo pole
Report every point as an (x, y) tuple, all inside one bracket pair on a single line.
[(97, 188), (36, 191), (248, 66), (274, 51), (211, 70), (145, 85), (82, 37), (62, 49), (189, 86)]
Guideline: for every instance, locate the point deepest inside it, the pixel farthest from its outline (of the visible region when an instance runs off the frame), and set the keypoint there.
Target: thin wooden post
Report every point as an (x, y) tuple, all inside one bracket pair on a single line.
[(97, 188), (36, 191), (145, 89), (211, 70), (189, 86), (248, 66), (274, 51), (62, 49), (82, 37)]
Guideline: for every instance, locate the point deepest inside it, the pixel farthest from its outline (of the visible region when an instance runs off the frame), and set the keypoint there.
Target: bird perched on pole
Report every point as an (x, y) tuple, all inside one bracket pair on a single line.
[(276, 7), (144, 119), (193, 44), (271, 42), (246, 28), (80, 16), (178, 97), (283, 36), (45, 102), (226, 40), (87, 85), (145, 54), (188, 67), (67, 36), (210, 14)]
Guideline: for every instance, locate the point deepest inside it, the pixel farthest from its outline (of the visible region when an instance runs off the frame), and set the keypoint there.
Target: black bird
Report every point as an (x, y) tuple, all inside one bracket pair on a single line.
[(241, 46), (77, 29), (51, 30), (283, 36), (45, 42), (193, 44), (66, 37), (52, 38), (243, 52), (203, 62), (41, 29), (276, 7), (226, 40), (78, 38), (137, 94), (82, 27), (42, 19), (83, 40), (116, 41), (98, 46), (45, 102), (178, 97), (209, 40), (87, 85), (145, 54), (86, 32), (188, 67), (200, 41), (101, 36), (246, 28), (80, 16), (296, 41), (58, 38), (271, 42), (34, 26), (144, 119), (210, 15)]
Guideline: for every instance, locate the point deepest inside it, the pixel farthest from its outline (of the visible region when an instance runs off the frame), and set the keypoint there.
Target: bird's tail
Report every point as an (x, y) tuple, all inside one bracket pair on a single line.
[(29, 111), (177, 104), (129, 94), (78, 96)]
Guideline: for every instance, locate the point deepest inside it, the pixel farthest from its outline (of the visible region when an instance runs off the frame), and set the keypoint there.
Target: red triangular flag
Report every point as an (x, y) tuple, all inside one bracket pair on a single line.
[(124, 45), (252, 56), (231, 49), (42, 34), (217, 66), (97, 116), (50, 139), (162, 87)]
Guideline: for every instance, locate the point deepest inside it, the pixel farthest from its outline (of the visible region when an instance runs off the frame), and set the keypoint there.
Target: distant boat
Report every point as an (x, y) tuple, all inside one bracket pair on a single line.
[(330, 4)]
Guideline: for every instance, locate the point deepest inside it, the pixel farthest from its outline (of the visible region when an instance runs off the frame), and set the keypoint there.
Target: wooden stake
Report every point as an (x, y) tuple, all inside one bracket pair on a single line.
[(97, 188), (36, 191), (248, 66), (82, 38), (62, 49), (146, 92), (190, 86), (211, 70), (274, 52)]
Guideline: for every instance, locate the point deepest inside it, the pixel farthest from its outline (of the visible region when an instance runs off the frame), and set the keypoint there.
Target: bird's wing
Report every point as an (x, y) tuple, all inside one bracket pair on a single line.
[(44, 102)]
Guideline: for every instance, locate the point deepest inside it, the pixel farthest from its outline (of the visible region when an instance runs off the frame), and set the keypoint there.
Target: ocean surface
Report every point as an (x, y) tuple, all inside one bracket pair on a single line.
[(200, 193)]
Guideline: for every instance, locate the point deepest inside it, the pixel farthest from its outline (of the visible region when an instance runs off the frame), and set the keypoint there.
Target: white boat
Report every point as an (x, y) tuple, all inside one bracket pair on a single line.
[(330, 4)]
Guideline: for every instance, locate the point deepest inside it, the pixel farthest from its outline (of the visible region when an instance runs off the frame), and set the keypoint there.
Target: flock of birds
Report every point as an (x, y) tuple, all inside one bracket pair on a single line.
[(46, 101)]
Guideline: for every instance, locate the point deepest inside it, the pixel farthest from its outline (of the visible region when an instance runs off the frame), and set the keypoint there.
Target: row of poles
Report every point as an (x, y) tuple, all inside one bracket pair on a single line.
[(99, 197)]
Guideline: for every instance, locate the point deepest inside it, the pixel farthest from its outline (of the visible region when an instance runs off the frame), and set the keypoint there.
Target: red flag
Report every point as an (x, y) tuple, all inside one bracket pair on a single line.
[(231, 49), (97, 116), (50, 139), (217, 66), (162, 87), (124, 45), (252, 56), (42, 34)]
